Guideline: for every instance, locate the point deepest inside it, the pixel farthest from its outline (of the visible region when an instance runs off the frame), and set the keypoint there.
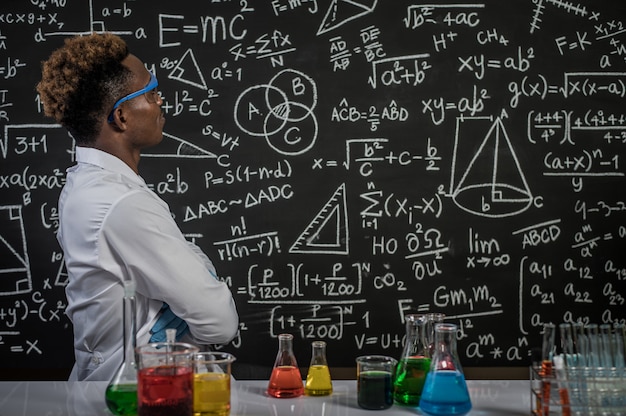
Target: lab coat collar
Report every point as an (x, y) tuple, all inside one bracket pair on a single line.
[(106, 161)]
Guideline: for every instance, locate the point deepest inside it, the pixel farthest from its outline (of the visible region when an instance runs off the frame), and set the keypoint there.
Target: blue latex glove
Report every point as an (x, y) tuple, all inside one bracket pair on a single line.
[(167, 320)]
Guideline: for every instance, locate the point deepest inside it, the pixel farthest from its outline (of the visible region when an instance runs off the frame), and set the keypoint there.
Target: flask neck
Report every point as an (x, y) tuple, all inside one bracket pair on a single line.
[(130, 329), (285, 345), (285, 356), (445, 341), (415, 342), (445, 355), (318, 355)]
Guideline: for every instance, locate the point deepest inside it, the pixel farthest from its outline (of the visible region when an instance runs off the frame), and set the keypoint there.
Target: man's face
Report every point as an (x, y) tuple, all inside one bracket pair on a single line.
[(144, 116)]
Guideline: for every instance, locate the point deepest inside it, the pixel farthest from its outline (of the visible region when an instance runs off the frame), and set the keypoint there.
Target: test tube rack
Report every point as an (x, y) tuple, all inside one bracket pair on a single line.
[(584, 391)]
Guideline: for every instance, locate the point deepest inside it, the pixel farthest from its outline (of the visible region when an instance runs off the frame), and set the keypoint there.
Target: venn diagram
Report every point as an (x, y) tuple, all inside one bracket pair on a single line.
[(281, 111)]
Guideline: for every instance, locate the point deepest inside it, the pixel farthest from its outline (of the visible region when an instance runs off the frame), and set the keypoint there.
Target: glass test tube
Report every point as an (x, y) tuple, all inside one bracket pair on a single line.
[(563, 369), (606, 347), (547, 349), (594, 346), (581, 344), (619, 337)]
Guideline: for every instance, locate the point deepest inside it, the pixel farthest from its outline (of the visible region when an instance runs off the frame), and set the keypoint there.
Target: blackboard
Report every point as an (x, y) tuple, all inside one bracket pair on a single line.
[(345, 163)]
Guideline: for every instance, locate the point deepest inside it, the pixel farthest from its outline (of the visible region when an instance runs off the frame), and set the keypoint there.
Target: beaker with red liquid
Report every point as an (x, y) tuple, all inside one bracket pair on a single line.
[(165, 379)]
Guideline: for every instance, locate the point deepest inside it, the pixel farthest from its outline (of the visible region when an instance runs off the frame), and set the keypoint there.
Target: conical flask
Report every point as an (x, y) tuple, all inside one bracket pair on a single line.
[(414, 363), (445, 390), (285, 380), (318, 382), (121, 393)]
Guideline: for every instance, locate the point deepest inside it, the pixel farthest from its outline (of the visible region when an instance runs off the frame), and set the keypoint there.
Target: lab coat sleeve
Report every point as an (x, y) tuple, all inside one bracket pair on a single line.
[(205, 259), (142, 236)]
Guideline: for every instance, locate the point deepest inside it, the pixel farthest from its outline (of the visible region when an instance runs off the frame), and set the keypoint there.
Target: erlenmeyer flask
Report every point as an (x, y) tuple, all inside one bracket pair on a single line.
[(121, 393), (285, 380), (318, 382), (414, 363), (445, 390)]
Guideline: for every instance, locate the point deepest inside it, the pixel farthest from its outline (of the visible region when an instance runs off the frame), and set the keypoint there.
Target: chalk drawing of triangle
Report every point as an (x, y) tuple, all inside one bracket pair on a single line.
[(177, 148), (15, 275), (328, 232), (343, 11), (62, 278), (188, 71)]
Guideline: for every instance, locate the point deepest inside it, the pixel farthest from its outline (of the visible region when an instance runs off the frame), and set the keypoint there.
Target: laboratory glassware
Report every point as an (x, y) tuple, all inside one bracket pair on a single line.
[(375, 381), (445, 389), (286, 380), (318, 381), (414, 363), (121, 392)]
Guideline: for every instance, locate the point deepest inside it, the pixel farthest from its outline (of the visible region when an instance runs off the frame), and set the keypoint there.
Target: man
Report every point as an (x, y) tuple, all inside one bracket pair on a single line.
[(112, 227)]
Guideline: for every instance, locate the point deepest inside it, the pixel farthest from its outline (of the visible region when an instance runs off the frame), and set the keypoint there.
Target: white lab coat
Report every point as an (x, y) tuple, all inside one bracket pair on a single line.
[(113, 227)]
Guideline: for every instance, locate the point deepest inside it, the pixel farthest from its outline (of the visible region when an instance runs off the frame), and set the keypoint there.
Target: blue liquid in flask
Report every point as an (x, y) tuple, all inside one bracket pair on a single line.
[(445, 393)]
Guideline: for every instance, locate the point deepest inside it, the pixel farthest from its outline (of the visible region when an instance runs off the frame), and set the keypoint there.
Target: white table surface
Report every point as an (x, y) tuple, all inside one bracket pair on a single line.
[(59, 398)]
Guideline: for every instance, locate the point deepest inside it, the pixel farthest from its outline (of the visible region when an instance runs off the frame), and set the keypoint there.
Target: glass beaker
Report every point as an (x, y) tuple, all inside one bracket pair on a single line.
[(121, 393), (285, 381), (414, 363), (165, 379), (211, 383), (445, 390), (318, 382), (374, 374)]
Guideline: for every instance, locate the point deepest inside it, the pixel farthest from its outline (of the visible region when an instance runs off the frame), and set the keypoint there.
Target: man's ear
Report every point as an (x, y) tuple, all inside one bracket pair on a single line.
[(119, 120)]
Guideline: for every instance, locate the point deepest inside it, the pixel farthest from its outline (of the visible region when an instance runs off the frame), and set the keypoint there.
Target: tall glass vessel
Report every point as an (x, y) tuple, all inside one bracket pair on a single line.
[(318, 382), (285, 380), (121, 393), (445, 390), (414, 363)]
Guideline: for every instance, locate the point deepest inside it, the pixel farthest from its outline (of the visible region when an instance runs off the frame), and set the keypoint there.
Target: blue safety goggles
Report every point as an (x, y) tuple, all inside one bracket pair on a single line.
[(151, 86)]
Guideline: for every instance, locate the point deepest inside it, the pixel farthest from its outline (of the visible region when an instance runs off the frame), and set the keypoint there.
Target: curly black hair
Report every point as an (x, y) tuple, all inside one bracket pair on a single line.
[(81, 81)]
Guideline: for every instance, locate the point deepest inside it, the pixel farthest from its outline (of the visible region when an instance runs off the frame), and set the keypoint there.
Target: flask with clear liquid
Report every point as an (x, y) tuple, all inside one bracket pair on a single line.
[(445, 390), (414, 364), (318, 381), (121, 393), (285, 381)]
